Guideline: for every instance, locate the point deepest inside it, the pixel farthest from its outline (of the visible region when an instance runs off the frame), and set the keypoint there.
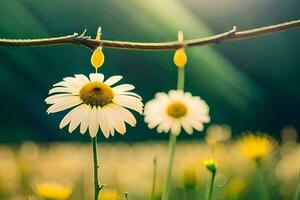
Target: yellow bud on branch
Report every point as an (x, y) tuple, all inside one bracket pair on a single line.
[(97, 58), (180, 58)]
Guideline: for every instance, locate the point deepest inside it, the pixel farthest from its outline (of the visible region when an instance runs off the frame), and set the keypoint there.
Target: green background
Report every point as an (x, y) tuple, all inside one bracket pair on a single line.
[(251, 84)]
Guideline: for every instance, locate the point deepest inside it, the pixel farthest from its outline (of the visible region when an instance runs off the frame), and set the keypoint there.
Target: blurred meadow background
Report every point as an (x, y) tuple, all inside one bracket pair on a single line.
[(249, 85)]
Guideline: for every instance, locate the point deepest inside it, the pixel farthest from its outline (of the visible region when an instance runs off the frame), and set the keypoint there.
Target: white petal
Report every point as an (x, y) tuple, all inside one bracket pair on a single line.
[(93, 122), (62, 90), (63, 99), (68, 103), (123, 88), (112, 131), (186, 126), (125, 115), (96, 77), (168, 125), (52, 98), (195, 124), (68, 85), (69, 116), (202, 118), (119, 124), (155, 108), (161, 96), (77, 116), (112, 80), (84, 121), (61, 83), (175, 128), (111, 122), (103, 122), (176, 94), (82, 78), (129, 102), (73, 82), (154, 120), (129, 94), (164, 126)]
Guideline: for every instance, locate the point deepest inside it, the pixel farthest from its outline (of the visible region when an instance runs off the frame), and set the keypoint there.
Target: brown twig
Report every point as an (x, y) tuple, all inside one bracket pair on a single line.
[(83, 40)]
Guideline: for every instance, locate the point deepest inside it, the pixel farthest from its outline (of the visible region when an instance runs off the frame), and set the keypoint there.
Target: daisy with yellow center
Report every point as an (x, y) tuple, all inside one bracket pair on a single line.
[(53, 191), (96, 103), (256, 147), (169, 112)]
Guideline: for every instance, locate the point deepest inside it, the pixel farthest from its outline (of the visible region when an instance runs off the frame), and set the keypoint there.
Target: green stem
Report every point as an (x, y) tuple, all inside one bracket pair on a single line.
[(210, 186), (154, 177), (172, 144), (95, 158), (297, 192), (180, 79), (263, 182), (171, 152)]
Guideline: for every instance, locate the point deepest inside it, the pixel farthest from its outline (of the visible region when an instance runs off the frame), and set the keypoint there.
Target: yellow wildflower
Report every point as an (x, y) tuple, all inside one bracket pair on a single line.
[(257, 146), (210, 164), (53, 190), (109, 194)]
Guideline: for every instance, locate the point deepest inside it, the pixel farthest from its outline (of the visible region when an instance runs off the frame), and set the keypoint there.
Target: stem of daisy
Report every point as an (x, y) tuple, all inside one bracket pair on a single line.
[(210, 186), (172, 144), (180, 80), (263, 181), (95, 158), (297, 191), (171, 151), (154, 178)]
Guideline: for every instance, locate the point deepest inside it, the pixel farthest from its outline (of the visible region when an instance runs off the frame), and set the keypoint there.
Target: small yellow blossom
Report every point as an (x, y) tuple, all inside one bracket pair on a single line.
[(256, 147), (180, 58), (109, 194), (53, 190), (97, 58), (210, 164)]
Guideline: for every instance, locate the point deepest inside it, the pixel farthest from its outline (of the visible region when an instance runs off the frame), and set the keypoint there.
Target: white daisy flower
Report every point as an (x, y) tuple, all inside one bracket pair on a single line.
[(170, 112), (96, 103)]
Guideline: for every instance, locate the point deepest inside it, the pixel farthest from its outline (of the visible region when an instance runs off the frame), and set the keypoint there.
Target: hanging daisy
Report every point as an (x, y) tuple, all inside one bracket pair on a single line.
[(170, 112), (95, 102)]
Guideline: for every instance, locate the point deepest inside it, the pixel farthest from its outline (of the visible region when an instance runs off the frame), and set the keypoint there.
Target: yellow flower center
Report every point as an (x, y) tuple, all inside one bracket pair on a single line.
[(96, 94), (176, 109)]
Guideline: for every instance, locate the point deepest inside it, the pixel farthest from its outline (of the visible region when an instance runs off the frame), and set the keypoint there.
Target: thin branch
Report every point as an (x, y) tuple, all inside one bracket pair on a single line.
[(83, 40)]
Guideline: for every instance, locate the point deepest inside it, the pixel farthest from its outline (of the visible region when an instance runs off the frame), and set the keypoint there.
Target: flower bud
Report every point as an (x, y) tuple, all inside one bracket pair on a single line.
[(211, 165), (180, 58), (97, 58)]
